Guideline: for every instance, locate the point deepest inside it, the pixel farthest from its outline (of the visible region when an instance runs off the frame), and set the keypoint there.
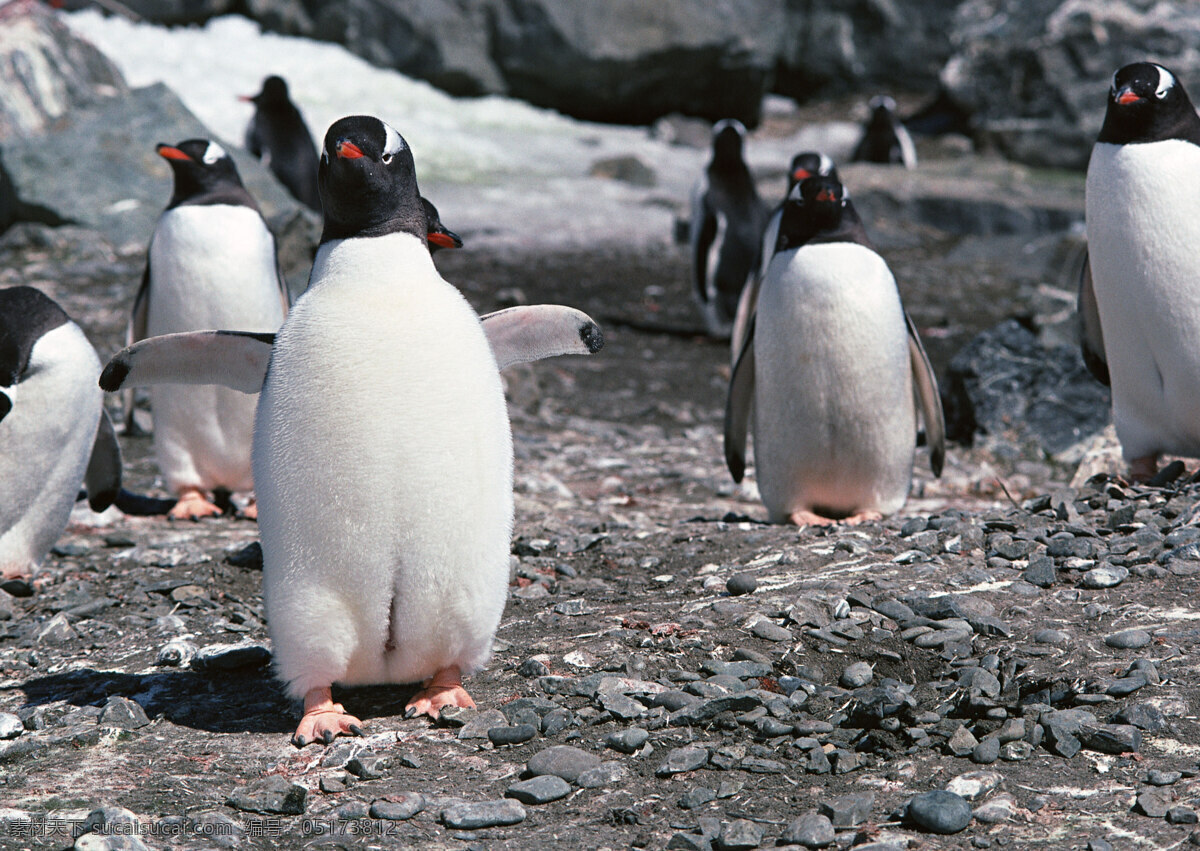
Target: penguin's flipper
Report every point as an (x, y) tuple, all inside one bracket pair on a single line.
[(738, 407), (236, 359), (134, 331), (5, 404), (524, 334), (103, 476), (747, 304), (1091, 336), (703, 232), (925, 384)]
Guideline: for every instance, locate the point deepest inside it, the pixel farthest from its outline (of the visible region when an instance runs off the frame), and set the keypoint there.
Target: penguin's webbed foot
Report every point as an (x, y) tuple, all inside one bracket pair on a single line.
[(442, 689), (861, 517), (192, 505), (250, 512), (804, 517), (324, 720)]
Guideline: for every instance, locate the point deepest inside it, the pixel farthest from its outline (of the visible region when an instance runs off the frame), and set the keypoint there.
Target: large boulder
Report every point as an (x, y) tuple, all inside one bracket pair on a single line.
[(1036, 73), (46, 71)]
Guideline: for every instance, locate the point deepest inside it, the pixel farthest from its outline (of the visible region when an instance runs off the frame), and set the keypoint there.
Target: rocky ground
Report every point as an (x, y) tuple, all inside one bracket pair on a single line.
[(1003, 664)]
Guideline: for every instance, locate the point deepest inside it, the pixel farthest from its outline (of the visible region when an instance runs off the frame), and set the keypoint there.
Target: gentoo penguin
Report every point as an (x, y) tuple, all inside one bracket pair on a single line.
[(437, 234), (382, 449), (211, 264), (1141, 306), (727, 223), (831, 365), (54, 434), (804, 165), (279, 137), (884, 138)]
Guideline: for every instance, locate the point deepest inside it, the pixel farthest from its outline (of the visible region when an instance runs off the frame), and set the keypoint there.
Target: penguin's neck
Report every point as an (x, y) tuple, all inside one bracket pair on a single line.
[(400, 256)]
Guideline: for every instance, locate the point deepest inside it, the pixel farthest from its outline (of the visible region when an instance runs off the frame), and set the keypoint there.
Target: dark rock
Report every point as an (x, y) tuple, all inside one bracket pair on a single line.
[(1041, 572), (696, 797), (604, 774), (628, 740), (231, 657), (1152, 804), (398, 807), (679, 760), (812, 830), (700, 713), (481, 814), (474, 723), (741, 583), (740, 835), (539, 790), (1181, 815), (939, 812), (987, 751), (366, 765), (1112, 738), (1158, 777), (1130, 639), (689, 842), (124, 713), (1126, 685), (848, 810), (500, 736), (857, 675), (562, 761), (273, 794), (1144, 716)]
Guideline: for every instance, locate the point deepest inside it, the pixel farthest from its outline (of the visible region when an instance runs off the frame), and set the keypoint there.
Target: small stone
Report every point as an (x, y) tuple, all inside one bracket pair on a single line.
[(533, 668), (1130, 639), (1000, 808), (366, 765), (1041, 572), (123, 713), (689, 842), (848, 810), (683, 759), (812, 830), (1099, 845), (1181, 815), (696, 797), (398, 807), (1151, 804), (1051, 636), (1112, 738), (987, 751), (351, 811), (1126, 685), (740, 835), (771, 631), (962, 742), (604, 774), (478, 722), (628, 740), (1105, 576), (973, 785), (741, 583), (539, 790), (10, 725), (1157, 777), (857, 675), (506, 735), (231, 657), (620, 706), (1016, 751), (562, 761), (58, 630), (1144, 716), (273, 794), (331, 786), (940, 812), (481, 814)]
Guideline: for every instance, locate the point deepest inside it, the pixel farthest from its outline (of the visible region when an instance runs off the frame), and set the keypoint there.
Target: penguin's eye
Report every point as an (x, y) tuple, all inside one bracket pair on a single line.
[(386, 158)]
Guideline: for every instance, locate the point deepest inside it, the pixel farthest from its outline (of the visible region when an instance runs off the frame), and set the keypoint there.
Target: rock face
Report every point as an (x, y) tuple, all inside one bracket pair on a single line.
[(46, 71)]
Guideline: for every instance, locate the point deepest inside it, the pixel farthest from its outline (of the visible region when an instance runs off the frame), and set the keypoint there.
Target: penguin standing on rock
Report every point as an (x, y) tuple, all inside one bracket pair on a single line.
[(54, 433), (211, 264), (382, 450), (884, 139), (279, 137), (1140, 292), (727, 223), (830, 368)]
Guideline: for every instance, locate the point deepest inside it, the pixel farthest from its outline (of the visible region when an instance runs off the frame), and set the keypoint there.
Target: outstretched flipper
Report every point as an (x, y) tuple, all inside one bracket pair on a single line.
[(524, 334), (235, 359), (930, 401), (1091, 337), (738, 406), (103, 476)]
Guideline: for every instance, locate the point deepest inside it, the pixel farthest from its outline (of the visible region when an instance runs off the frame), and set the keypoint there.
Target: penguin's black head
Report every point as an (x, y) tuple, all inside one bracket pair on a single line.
[(204, 173), (368, 181), (728, 136), (809, 164), (815, 205), (438, 235), (274, 91), (1147, 103)]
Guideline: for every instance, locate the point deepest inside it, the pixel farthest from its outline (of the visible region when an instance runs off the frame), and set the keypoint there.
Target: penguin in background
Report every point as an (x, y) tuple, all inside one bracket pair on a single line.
[(437, 235), (278, 135), (884, 139), (211, 263), (382, 449), (726, 228), (833, 371), (1139, 302), (54, 432), (804, 165)]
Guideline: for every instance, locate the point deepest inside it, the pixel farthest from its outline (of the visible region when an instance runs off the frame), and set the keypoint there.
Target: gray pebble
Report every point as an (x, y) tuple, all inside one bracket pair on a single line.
[(857, 675), (10, 725), (1156, 777), (771, 631), (741, 583), (1105, 576), (398, 807), (740, 835), (273, 794), (1126, 685), (812, 830), (562, 761), (1016, 751), (1051, 636), (123, 713), (1181, 815), (366, 765), (939, 812), (696, 797), (500, 736), (987, 751), (1040, 572), (683, 759), (604, 774), (1112, 738), (480, 814), (1130, 639), (1151, 804), (628, 740), (848, 810), (539, 790)]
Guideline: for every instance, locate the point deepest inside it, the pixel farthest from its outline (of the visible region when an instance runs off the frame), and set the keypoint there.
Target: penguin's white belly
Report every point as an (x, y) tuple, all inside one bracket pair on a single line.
[(1143, 222), (383, 463), (212, 266), (45, 443), (834, 422)]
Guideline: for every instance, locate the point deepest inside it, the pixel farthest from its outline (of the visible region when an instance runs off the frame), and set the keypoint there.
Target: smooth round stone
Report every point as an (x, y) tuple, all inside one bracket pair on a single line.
[(511, 735), (1051, 636), (1155, 777), (857, 675), (741, 583), (940, 812), (539, 790), (10, 725), (562, 761), (1016, 751), (987, 751), (398, 807), (1130, 639), (1105, 576), (812, 830), (740, 835), (771, 631), (627, 741), (1181, 815), (480, 814)]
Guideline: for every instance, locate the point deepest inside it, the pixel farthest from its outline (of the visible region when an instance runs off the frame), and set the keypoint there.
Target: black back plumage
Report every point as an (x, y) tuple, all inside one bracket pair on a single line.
[(1148, 103), (278, 132)]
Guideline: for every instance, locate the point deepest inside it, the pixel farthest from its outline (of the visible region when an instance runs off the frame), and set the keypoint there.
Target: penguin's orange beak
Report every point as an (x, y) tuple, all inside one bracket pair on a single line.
[(826, 195), (169, 153), (801, 174), (1127, 97), (348, 150), (444, 239)]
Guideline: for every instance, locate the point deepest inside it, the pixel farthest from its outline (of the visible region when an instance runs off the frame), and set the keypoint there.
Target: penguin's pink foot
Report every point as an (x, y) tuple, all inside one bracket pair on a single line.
[(808, 518), (441, 690), (861, 517), (192, 506), (1142, 470), (250, 512), (324, 720)]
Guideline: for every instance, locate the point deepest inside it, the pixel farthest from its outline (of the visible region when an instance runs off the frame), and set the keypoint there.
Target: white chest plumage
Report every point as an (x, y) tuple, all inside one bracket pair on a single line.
[(383, 465), (47, 438), (834, 423), (1143, 221)]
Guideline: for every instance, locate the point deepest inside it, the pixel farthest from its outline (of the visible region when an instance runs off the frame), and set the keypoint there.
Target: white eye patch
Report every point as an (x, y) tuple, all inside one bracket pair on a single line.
[(213, 153), (393, 142), (1166, 81)]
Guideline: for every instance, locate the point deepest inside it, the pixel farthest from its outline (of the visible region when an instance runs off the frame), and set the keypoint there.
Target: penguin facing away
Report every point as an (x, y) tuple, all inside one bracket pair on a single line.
[(211, 263), (884, 139), (1139, 302), (831, 368), (278, 136), (804, 165), (727, 222), (382, 450), (54, 434)]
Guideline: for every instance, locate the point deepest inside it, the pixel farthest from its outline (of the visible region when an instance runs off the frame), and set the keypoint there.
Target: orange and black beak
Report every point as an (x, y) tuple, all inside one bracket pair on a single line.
[(801, 174), (827, 195), (347, 150), (168, 152), (444, 238), (1127, 96)]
